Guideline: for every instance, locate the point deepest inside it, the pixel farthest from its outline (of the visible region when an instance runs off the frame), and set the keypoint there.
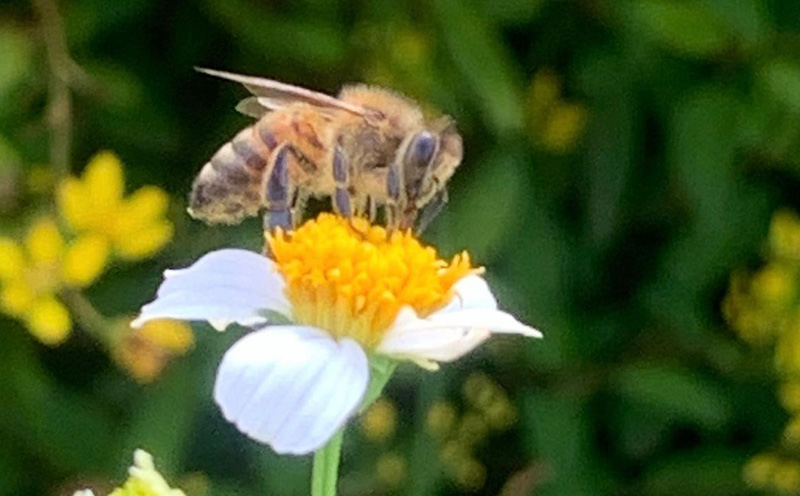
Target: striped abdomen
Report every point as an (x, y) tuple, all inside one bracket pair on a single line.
[(229, 186)]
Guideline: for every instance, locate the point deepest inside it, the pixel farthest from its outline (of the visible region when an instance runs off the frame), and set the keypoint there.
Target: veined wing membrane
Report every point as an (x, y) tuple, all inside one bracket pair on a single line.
[(273, 94)]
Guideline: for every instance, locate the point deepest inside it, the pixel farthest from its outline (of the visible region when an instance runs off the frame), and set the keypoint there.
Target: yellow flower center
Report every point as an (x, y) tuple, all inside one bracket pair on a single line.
[(352, 279)]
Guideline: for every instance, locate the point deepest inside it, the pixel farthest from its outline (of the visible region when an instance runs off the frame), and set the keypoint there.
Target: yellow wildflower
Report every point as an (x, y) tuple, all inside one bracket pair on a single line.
[(758, 472), (33, 272), (472, 430), (791, 434), (564, 127), (391, 469), (94, 205), (786, 477), (787, 348), (380, 420), (143, 480), (784, 236), (789, 394), (556, 124), (440, 418), (145, 352), (489, 398)]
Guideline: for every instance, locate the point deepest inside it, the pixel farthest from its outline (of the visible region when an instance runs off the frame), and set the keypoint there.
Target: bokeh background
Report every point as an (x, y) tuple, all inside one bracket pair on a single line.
[(630, 181)]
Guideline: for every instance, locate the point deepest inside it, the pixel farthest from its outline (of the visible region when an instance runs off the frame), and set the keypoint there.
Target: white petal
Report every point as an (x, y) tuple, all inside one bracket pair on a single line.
[(291, 387), (424, 345), (496, 321), (453, 331), (223, 286), (471, 292)]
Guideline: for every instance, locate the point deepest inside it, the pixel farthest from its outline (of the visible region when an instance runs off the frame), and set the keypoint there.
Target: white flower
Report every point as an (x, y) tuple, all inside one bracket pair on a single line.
[(293, 386)]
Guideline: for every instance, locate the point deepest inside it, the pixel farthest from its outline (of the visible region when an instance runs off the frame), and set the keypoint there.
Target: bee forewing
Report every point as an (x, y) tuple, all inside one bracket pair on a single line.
[(281, 94), (253, 107)]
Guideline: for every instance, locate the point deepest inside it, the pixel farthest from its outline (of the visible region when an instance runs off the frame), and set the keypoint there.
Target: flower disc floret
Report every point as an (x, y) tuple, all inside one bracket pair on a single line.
[(352, 279)]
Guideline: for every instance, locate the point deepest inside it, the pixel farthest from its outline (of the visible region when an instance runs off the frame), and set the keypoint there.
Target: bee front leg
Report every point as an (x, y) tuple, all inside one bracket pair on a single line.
[(393, 206), (372, 209), (431, 210), (279, 193), (341, 177)]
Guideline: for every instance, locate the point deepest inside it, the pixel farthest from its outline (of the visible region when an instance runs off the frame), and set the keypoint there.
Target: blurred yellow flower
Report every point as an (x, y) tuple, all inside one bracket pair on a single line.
[(145, 352), (786, 477), (563, 127), (94, 205), (784, 236), (440, 418), (556, 124), (472, 430), (775, 285), (143, 480), (789, 394), (791, 434), (34, 271), (763, 308), (759, 470), (787, 348), (391, 469), (380, 420)]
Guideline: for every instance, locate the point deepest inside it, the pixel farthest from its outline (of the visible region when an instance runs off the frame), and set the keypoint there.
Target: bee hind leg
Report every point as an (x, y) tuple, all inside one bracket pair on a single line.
[(279, 194)]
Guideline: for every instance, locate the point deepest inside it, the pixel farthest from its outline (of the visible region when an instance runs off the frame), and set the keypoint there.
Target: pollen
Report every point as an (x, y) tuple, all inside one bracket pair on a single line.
[(352, 278)]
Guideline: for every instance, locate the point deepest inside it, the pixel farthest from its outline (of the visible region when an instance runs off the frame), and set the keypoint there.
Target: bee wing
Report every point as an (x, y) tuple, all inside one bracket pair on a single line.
[(253, 107), (271, 95)]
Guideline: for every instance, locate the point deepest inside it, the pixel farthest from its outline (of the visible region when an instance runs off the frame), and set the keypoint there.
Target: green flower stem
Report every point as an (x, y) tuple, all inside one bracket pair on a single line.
[(381, 369), (326, 460), (89, 318), (59, 99), (326, 467)]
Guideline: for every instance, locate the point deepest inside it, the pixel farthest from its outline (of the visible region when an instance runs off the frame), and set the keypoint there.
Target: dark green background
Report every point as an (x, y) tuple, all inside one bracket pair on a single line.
[(619, 250)]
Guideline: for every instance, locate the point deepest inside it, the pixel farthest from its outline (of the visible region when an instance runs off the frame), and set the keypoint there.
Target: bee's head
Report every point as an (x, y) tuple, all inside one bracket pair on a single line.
[(429, 157)]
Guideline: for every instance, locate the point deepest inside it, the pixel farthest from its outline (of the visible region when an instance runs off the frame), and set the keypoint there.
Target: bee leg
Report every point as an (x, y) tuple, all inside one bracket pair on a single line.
[(393, 217), (299, 206), (431, 210), (341, 198), (278, 194), (372, 209)]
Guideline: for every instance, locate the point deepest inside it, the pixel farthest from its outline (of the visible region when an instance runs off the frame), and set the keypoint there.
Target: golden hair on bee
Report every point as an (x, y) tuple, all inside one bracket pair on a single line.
[(367, 149)]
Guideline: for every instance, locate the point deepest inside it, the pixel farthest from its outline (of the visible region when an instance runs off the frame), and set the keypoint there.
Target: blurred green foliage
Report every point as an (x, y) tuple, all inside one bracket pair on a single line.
[(617, 243)]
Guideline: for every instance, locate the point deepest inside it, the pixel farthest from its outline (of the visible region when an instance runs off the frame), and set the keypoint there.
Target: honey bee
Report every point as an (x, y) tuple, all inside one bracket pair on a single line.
[(367, 149)]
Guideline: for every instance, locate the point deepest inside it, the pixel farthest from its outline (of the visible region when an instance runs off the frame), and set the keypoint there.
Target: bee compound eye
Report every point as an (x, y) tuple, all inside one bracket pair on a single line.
[(421, 150)]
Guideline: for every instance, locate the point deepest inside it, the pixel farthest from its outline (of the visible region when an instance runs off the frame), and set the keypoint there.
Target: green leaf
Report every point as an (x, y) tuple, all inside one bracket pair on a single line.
[(278, 38), (780, 79), (675, 391), (512, 12), (478, 219), (611, 142), (483, 60), (746, 19), (558, 431), (685, 27), (712, 471), (69, 431), (164, 413), (15, 59)]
